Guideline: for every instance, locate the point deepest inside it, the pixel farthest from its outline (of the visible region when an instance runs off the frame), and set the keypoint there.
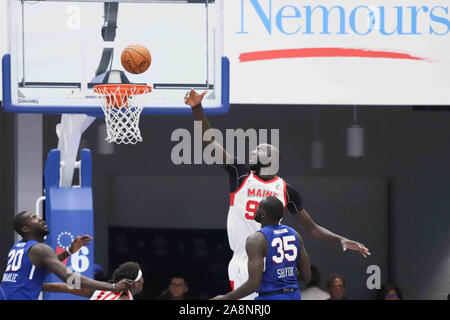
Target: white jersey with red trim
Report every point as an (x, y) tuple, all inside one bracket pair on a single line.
[(243, 204), (109, 295)]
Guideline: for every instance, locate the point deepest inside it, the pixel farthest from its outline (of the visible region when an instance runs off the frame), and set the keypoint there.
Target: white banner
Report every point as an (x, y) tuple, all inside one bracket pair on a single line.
[(385, 52)]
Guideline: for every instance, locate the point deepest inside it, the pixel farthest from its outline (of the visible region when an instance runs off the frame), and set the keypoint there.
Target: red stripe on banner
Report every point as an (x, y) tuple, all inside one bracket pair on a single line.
[(324, 53)]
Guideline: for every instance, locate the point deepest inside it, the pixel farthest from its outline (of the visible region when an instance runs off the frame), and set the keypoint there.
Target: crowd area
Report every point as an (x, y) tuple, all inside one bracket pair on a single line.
[(179, 287)]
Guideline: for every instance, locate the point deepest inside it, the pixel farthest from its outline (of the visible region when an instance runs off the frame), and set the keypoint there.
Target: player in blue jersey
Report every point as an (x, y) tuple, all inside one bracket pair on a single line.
[(30, 260), (276, 255)]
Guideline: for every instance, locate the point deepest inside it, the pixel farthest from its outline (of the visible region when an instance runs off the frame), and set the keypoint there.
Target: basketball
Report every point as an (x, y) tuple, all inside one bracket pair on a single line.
[(136, 58)]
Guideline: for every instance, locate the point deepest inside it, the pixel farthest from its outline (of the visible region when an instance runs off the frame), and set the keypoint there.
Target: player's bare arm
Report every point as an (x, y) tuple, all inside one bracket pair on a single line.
[(194, 100), (42, 255), (319, 233), (60, 287), (76, 245), (303, 263), (256, 246)]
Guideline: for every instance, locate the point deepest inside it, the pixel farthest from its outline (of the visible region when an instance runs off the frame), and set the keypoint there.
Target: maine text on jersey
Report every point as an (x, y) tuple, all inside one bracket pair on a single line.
[(252, 192)]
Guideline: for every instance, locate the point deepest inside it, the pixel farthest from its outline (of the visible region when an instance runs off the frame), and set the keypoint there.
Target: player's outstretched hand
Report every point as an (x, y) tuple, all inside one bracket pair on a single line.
[(124, 285), (220, 297), (79, 242), (356, 246), (193, 99)]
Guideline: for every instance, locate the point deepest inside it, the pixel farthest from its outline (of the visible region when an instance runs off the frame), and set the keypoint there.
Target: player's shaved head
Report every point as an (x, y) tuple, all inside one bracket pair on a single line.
[(20, 220), (265, 158), (273, 208)]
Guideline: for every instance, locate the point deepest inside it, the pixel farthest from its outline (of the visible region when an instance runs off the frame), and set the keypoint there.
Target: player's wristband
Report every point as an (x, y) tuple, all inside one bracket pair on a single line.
[(113, 287), (68, 252)]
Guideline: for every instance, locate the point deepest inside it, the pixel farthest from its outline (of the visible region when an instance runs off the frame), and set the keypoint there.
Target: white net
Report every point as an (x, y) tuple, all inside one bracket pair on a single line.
[(122, 106)]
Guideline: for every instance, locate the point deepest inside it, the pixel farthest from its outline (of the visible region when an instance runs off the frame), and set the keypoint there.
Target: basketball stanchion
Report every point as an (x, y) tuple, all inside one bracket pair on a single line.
[(122, 105)]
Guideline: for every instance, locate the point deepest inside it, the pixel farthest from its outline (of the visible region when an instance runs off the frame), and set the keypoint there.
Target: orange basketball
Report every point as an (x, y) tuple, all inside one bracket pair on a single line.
[(136, 58)]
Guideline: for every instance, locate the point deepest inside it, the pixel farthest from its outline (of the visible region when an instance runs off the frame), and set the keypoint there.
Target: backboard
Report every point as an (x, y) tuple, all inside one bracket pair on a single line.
[(59, 49)]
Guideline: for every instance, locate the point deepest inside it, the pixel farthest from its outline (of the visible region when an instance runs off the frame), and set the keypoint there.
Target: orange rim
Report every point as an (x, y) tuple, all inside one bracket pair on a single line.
[(121, 92), (125, 89)]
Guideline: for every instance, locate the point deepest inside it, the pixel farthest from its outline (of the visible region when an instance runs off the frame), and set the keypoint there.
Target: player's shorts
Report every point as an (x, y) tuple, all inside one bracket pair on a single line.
[(293, 295), (238, 274)]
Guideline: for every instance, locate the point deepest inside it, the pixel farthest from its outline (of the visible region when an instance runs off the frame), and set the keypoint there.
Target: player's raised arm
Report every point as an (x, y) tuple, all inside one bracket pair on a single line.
[(194, 100), (315, 231), (303, 262), (320, 233), (255, 250), (42, 255), (76, 245)]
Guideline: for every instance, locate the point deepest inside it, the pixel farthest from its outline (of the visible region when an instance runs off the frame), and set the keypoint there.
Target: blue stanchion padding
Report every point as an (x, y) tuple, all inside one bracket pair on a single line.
[(69, 213)]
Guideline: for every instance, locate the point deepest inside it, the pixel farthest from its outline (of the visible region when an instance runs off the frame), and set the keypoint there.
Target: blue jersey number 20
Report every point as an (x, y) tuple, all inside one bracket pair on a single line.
[(14, 260)]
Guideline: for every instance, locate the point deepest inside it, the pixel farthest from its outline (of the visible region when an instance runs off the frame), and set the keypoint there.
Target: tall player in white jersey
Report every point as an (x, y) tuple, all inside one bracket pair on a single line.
[(248, 186), (247, 190)]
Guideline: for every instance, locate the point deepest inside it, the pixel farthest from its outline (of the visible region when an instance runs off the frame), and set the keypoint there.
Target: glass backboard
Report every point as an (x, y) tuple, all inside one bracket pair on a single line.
[(58, 50)]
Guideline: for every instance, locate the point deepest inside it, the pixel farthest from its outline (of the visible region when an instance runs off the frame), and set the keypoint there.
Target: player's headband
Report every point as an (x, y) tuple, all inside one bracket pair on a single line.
[(139, 276)]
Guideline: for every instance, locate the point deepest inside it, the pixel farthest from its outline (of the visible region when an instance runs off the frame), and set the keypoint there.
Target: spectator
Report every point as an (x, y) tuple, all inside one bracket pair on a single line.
[(336, 287), (313, 291), (390, 292), (178, 290)]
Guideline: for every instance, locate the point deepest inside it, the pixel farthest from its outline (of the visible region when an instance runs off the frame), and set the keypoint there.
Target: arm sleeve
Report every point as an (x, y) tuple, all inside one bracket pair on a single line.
[(294, 201), (237, 174)]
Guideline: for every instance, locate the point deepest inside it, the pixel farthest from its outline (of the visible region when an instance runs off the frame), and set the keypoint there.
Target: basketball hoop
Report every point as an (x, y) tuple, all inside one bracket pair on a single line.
[(122, 105)]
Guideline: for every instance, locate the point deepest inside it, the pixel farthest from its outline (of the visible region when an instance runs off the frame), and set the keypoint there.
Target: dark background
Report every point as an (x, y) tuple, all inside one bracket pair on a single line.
[(394, 199)]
